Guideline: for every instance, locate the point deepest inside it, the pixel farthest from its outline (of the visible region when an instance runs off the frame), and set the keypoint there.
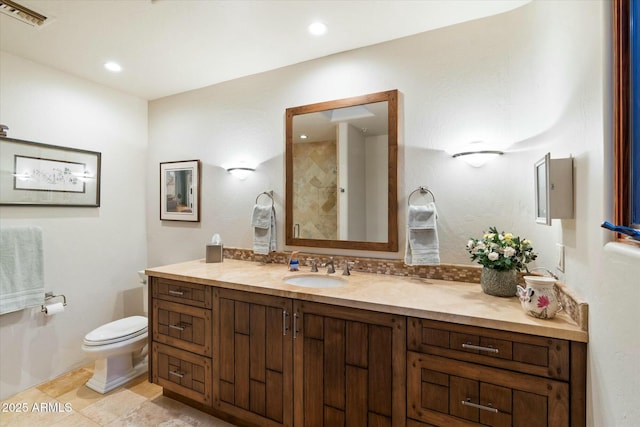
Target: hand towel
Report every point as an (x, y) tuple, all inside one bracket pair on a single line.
[(261, 216), (422, 247), (263, 221), (21, 268)]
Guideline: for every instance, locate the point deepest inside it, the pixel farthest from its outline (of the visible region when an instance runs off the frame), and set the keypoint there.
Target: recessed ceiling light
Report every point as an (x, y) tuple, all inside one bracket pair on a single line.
[(113, 66), (317, 28)]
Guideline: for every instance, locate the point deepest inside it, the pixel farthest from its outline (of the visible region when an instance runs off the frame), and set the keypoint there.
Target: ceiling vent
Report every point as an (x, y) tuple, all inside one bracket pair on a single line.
[(22, 13)]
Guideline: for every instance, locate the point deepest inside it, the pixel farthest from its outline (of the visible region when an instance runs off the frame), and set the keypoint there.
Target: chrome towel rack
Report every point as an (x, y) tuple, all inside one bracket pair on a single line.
[(423, 190), (268, 194)]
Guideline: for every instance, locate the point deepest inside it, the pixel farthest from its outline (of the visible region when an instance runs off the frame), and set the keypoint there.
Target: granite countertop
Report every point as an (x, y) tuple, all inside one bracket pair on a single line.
[(456, 302)]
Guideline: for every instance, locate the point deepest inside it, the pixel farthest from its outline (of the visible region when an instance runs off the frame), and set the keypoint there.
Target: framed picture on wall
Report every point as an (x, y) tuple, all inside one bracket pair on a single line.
[(180, 191), (35, 174)]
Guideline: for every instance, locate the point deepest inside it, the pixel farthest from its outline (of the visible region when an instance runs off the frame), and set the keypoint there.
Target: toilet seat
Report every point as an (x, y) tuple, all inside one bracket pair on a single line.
[(117, 331)]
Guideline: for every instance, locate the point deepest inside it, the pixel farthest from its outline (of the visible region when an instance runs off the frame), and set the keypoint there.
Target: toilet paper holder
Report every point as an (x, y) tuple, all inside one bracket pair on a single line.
[(48, 296)]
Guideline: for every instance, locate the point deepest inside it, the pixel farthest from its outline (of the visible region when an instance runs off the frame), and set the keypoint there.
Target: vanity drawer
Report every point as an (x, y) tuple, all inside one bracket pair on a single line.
[(535, 355), (182, 326), (182, 292), (182, 372), (446, 392)]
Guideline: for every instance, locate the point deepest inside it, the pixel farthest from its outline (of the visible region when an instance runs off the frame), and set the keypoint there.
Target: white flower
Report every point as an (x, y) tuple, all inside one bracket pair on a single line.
[(493, 256), (470, 244), (481, 246), (509, 251)]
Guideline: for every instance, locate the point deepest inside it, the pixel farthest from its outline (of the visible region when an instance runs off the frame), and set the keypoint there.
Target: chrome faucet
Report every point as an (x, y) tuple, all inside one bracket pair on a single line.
[(330, 267), (314, 264), (346, 271)]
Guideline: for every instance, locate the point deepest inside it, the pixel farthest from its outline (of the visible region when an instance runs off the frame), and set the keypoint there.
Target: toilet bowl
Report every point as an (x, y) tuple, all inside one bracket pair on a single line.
[(119, 350)]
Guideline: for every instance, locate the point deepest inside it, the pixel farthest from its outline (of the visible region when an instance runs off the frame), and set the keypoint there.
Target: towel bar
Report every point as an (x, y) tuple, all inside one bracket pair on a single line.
[(423, 190), (268, 194)]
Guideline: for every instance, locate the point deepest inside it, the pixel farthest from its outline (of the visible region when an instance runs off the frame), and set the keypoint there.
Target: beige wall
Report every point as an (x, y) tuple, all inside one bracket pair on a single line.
[(530, 81), (91, 255), (534, 80)]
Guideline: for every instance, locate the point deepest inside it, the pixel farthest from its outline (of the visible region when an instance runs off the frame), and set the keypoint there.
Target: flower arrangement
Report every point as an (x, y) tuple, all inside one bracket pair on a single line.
[(501, 251)]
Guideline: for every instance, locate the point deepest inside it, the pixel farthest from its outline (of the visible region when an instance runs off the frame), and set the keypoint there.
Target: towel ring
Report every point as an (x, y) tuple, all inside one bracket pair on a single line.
[(422, 190), (266, 193)]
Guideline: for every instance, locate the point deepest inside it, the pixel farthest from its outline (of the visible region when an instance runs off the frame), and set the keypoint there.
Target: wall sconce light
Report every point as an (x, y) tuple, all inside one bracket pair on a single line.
[(476, 154), (241, 172)]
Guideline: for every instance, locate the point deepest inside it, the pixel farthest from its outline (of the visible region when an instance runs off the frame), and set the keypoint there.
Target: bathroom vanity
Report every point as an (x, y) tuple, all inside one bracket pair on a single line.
[(236, 340)]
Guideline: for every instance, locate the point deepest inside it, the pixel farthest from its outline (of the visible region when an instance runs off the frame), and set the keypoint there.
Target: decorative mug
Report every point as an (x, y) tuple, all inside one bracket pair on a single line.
[(539, 298)]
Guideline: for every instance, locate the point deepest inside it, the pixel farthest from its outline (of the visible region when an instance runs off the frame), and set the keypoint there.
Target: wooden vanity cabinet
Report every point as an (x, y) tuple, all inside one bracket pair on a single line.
[(463, 375), (263, 360), (253, 372), (286, 362), (349, 366), (181, 338)]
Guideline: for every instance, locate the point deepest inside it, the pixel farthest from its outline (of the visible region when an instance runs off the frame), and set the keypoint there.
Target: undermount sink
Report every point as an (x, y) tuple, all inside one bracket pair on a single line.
[(315, 281)]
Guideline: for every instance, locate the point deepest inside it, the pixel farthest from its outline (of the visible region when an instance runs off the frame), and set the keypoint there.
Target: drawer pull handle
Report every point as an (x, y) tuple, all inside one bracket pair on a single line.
[(176, 293), (477, 347), (177, 374), (489, 408), (179, 326), (284, 322)]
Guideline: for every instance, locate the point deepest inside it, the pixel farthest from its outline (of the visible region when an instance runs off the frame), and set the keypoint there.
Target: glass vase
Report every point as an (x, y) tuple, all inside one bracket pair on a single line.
[(499, 283)]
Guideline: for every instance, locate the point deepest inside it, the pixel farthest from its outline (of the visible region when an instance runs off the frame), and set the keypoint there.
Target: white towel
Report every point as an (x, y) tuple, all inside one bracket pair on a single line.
[(21, 268), (263, 221), (422, 246)]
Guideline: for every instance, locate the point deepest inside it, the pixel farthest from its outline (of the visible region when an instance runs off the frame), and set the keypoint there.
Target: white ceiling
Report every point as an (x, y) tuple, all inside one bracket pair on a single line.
[(171, 46)]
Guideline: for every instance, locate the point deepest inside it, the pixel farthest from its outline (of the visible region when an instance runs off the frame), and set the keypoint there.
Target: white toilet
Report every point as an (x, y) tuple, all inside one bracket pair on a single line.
[(119, 348)]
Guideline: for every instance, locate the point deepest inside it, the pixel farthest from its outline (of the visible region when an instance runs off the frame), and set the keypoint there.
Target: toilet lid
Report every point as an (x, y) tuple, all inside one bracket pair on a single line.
[(118, 330)]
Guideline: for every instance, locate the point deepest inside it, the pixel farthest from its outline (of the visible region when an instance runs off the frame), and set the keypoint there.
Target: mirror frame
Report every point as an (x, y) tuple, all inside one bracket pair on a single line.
[(391, 245)]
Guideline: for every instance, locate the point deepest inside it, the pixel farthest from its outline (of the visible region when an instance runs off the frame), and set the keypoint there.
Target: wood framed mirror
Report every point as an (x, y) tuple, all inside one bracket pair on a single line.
[(341, 173)]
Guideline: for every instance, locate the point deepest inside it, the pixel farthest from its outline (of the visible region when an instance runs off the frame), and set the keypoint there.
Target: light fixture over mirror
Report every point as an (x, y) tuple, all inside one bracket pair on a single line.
[(341, 173), (477, 153), (240, 170)]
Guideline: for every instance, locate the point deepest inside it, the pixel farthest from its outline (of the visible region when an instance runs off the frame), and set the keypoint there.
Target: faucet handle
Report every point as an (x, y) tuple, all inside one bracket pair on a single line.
[(314, 264), (346, 271)]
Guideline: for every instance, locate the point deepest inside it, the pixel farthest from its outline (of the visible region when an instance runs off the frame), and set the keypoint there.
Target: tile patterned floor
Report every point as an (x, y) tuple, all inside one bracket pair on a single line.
[(67, 402)]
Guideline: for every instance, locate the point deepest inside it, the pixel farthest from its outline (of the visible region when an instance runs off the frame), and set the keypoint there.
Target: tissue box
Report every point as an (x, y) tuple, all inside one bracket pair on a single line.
[(214, 253)]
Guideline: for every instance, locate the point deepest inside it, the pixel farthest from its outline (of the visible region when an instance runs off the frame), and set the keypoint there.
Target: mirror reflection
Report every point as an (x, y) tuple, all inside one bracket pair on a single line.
[(341, 173)]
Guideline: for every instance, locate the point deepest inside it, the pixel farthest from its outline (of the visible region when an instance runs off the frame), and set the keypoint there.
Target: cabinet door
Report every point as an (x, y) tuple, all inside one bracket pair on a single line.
[(253, 371), (446, 392), (350, 367)]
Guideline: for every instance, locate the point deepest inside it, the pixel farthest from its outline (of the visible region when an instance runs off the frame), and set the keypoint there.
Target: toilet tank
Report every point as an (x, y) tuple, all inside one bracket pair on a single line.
[(144, 281)]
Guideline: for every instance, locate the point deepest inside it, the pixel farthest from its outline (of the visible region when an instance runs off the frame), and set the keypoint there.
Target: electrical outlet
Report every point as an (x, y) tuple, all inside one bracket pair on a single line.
[(560, 257)]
